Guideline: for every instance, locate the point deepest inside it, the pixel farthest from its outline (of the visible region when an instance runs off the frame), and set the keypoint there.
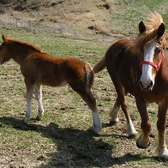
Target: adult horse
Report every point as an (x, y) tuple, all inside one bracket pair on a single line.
[(39, 68), (140, 67)]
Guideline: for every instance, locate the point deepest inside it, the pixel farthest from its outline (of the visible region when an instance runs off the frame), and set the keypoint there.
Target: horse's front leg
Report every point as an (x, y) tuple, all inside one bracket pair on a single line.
[(161, 126), (143, 140), (29, 93), (38, 94)]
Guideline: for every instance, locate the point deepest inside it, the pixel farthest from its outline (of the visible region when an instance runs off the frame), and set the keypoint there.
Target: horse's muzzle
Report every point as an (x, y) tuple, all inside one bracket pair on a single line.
[(146, 87)]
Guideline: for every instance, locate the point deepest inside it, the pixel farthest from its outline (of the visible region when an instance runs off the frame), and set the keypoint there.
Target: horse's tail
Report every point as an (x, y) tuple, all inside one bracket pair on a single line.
[(89, 76), (99, 66)]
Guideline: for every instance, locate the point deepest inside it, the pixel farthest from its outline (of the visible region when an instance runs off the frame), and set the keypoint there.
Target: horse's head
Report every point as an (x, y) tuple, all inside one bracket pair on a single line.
[(151, 51), (5, 53)]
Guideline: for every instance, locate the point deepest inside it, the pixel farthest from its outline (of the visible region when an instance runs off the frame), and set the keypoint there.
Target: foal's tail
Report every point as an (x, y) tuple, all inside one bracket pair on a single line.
[(99, 66), (89, 76)]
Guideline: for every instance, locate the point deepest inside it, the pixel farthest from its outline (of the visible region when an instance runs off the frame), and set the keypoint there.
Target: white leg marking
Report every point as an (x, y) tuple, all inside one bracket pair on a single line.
[(114, 115), (97, 125), (163, 153), (131, 129), (38, 94), (28, 110)]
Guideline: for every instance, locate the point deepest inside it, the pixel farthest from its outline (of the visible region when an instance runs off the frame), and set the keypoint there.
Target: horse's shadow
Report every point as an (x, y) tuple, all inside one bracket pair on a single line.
[(81, 146)]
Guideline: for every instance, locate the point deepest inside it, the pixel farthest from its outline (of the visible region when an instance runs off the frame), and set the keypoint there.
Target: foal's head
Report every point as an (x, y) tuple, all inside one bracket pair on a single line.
[(150, 45), (5, 53)]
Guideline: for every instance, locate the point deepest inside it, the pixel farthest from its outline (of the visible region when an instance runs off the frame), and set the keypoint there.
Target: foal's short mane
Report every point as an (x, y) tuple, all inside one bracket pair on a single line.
[(9, 40), (152, 24)]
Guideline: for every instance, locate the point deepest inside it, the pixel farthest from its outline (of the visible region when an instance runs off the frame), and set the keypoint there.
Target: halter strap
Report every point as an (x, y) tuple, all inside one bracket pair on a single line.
[(156, 66)]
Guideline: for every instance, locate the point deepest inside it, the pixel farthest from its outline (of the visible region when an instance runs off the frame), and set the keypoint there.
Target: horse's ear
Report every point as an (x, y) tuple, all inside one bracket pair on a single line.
[(4, 38), (142, 27), (161, 30)]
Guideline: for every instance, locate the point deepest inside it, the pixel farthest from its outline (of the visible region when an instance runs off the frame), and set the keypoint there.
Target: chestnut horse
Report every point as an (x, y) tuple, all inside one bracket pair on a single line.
[(140, 67), (39, 68)]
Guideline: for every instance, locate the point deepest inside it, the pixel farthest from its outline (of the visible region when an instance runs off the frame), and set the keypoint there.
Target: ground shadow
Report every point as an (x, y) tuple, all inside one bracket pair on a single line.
[(76, 148)]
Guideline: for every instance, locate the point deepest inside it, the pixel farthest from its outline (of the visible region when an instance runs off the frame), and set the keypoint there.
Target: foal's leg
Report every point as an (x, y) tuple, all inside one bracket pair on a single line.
[(161, 126), (29, 93), (38, 94), (87, 96), (143, 140), (91, 102)]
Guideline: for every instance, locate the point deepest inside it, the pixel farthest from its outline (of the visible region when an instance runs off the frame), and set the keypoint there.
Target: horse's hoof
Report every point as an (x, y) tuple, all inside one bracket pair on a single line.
[(25, 120), (132, 136), (142, 147), (91, 130), (40, 115), (111, 123), (38, 118), (97, 129), (163, 154)]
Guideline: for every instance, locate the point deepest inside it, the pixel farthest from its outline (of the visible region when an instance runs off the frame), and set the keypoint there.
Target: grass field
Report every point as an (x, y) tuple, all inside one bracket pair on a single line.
[(62, 139)]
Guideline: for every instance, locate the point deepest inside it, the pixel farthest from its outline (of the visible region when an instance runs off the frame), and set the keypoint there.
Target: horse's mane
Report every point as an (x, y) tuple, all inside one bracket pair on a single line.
[(152, 24), (33, 47)]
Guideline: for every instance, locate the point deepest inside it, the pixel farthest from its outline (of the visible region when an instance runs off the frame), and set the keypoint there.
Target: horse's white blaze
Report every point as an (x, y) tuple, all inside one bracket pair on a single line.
[(147, 76)]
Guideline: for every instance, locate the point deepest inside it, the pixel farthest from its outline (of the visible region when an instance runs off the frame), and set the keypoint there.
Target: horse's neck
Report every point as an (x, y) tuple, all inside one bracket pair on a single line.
[(19, 53), (164, 66)]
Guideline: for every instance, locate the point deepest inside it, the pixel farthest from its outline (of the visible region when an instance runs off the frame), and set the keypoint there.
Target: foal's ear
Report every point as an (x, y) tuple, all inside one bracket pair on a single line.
[(4, 38), (161, 30), (142, 27)]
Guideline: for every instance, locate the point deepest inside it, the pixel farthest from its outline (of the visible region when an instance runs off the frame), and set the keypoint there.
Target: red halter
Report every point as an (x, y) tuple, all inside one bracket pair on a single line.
[(156, 66)]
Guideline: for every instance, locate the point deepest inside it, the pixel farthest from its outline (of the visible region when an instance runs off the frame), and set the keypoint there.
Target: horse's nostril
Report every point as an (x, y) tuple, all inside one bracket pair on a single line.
[(140, 83), (150, 85)]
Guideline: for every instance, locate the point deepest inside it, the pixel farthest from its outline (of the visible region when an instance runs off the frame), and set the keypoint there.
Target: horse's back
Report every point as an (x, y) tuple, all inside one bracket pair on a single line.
[(54, 71)]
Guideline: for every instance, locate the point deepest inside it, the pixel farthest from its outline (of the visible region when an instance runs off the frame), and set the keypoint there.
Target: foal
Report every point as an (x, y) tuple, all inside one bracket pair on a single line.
[(40, 68)]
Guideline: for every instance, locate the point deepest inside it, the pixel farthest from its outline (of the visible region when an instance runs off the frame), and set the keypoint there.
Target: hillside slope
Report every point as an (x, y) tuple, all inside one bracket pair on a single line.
[(84, 19)]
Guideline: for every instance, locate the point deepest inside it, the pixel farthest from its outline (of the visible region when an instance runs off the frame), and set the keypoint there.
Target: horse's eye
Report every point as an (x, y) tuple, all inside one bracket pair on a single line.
[(158, 50)]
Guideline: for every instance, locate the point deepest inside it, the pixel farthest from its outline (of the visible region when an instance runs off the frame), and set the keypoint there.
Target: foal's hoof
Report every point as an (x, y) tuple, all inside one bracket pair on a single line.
[(97, 129), (25, 120), (39, 117), (142, 147)]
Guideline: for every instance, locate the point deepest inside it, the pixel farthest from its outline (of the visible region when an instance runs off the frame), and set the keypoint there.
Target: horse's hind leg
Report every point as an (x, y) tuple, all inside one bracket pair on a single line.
[(130, 127), (29, 93), (38, 95), (114, 112), (124, 105)]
